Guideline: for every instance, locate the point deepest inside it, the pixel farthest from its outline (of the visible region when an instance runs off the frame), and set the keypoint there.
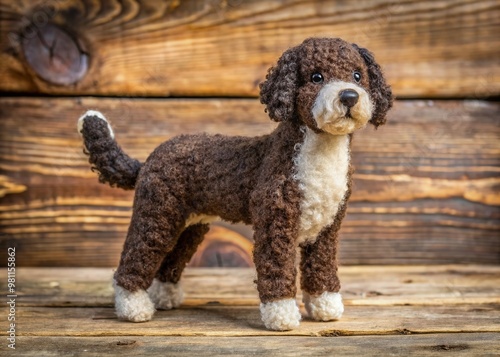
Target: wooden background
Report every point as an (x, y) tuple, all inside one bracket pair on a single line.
[(427, 185)]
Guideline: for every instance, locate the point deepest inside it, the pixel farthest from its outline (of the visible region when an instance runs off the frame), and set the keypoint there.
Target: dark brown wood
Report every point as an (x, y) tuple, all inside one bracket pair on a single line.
[(223, 48), (425, 190)]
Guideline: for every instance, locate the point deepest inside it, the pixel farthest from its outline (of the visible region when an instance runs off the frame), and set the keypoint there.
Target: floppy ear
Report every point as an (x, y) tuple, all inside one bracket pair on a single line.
[(380, 91), (279, 91)]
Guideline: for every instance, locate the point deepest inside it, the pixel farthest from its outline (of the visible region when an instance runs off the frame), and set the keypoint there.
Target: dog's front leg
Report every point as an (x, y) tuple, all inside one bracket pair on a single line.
[(275, 213), (319, 281)]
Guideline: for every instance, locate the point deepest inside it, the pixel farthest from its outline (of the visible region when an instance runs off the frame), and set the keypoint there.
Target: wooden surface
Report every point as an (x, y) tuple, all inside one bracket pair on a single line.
[(391, 310), (361, 286), (426, 185), (428, 194), (224, 47), (464, 344)]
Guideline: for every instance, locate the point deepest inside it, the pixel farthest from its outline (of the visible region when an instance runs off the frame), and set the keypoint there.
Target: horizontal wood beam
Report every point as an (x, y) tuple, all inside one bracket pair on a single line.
[(219, 321), (425, 188), (224, 48), (434, 285), (462, 344)]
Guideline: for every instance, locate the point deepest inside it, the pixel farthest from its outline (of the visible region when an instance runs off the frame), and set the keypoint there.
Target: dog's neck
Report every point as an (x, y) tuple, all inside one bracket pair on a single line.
[(321, 169)]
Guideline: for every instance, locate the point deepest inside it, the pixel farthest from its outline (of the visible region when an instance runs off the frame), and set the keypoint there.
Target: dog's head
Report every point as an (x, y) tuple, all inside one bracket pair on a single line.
[(328, 84)]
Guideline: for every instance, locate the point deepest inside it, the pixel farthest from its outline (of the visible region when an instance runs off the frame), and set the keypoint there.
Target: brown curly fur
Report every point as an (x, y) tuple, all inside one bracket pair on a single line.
[(239, 179)]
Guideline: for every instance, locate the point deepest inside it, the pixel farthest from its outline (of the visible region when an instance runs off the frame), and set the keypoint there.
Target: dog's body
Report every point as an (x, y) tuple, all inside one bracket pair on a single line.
[(290, 185)]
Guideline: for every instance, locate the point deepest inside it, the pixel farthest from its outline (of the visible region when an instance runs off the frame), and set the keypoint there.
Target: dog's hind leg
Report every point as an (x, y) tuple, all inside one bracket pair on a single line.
[(319, 281), (166, 291), (157, 222)]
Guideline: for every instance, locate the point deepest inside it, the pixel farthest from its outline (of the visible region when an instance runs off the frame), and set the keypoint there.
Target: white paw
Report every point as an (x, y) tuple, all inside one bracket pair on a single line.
[(133, 306), (281, 315), (96, 114), (325, 307), (166, 295)]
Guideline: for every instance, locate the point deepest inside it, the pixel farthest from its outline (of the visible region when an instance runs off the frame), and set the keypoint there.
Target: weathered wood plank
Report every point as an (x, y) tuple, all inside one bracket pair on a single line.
[(463, 344), (426, 184), (223, 48), (361, 285), (245, 321), (464, 329)]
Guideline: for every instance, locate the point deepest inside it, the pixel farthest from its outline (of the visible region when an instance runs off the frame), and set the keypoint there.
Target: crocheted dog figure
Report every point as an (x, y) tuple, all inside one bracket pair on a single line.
[(292, 186)]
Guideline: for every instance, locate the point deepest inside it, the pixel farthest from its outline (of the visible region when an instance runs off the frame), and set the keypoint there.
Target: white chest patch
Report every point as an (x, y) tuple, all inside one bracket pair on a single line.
[(321, 168)]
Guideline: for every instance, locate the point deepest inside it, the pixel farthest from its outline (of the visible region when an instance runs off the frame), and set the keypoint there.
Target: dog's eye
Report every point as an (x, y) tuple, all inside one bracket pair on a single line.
[(317, 78), (357, 76)]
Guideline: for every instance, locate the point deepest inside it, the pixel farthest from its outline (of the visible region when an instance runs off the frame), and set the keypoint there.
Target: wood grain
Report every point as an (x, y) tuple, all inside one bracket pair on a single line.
[(458, 327), (238, 321), (361, 286), (224, 47), (425, 190), (464, 344), (426, 185)]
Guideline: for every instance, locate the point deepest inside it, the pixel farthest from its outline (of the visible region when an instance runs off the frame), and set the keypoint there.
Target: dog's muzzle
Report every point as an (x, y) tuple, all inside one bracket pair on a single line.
[(341, 108)]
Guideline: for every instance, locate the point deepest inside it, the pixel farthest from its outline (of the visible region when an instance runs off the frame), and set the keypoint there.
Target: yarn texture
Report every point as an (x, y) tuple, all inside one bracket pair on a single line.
[(291, 185)]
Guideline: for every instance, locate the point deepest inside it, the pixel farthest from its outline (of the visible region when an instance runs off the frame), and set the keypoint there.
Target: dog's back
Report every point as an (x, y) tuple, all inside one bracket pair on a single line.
[(208, 175), (203, 177)]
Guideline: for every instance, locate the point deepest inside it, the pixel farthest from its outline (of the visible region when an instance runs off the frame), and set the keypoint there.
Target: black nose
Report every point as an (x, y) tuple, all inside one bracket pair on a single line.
[(349, 97)]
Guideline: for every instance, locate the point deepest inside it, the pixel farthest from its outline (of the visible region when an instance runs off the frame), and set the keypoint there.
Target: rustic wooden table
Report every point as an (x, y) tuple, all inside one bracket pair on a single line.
[(390, 310)]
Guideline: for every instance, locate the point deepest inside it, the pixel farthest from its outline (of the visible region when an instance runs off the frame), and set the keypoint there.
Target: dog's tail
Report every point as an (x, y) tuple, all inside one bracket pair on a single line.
[(107, 158)]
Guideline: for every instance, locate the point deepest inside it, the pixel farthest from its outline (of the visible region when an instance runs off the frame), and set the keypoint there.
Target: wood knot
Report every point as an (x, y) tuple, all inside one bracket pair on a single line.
[(223, 247), (55, 55)]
